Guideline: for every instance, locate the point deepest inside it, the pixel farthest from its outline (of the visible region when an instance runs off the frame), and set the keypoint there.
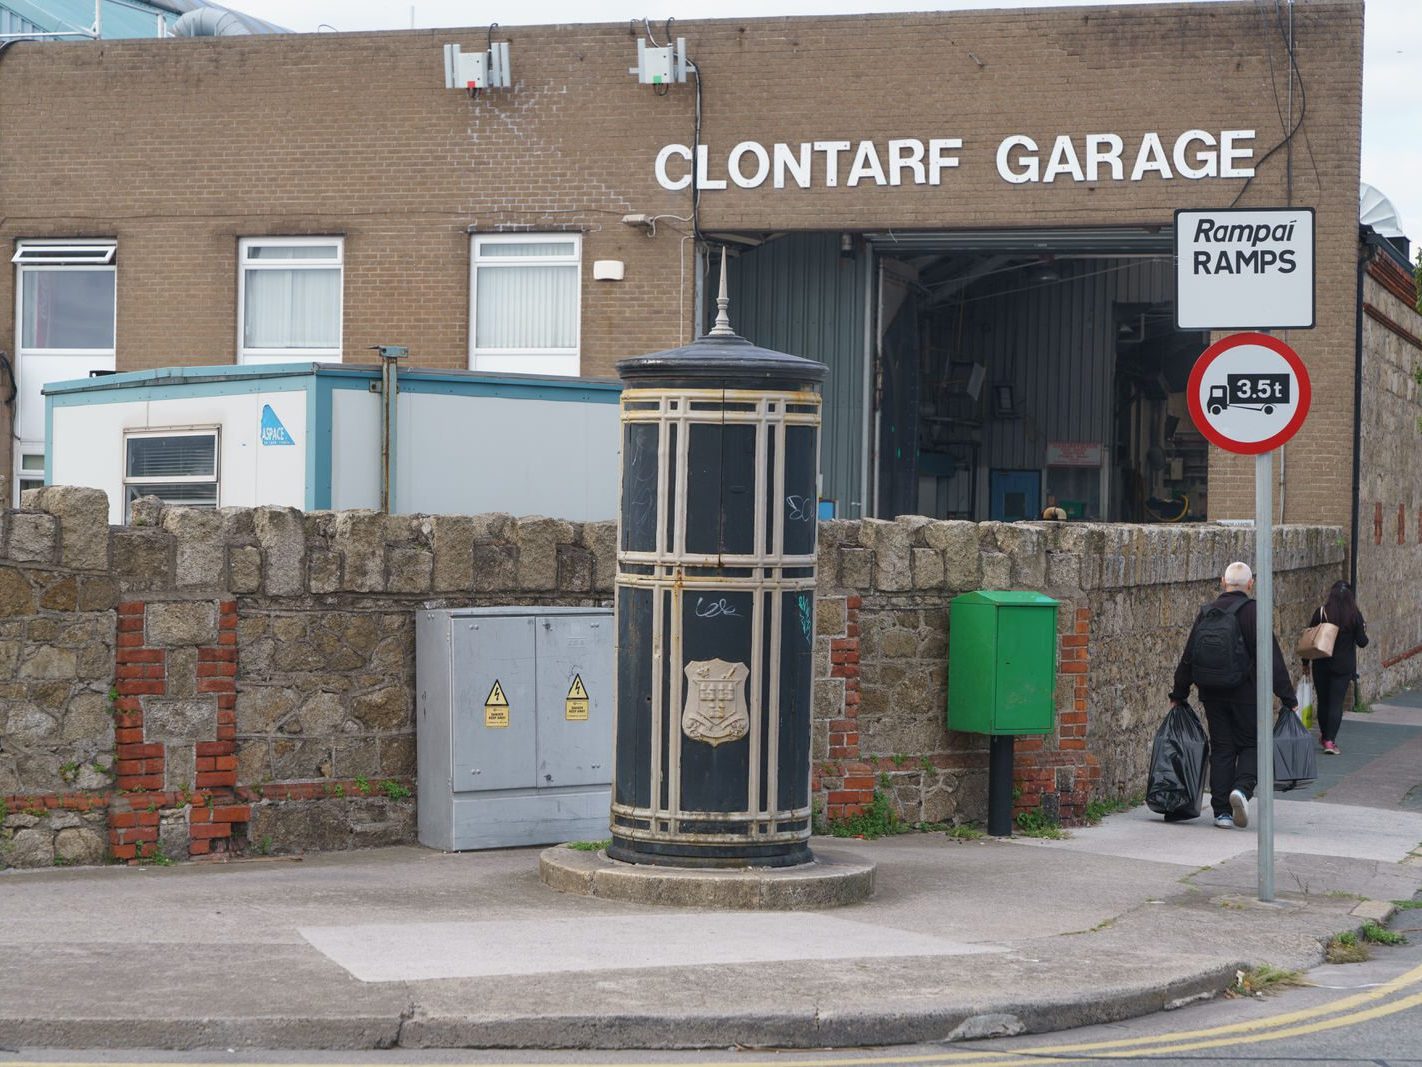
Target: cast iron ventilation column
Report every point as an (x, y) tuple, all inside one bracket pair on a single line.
[(715, 604)]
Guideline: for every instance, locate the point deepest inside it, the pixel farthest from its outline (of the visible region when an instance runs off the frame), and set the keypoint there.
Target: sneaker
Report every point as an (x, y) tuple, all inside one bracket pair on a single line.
[(1239, 804), (1331, 749), (1224, 822)]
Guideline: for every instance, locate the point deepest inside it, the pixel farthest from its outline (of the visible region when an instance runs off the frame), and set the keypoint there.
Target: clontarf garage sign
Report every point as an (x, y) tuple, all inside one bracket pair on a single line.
[(1090, 157), (1244, 269)]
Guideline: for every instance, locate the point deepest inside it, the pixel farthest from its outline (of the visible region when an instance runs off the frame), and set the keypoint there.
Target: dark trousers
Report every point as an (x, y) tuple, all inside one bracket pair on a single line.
[(1330, 689), (1234, 757)]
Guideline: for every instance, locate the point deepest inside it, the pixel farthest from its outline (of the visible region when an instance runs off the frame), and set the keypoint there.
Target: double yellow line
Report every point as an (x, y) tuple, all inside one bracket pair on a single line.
[(1347, 1011)]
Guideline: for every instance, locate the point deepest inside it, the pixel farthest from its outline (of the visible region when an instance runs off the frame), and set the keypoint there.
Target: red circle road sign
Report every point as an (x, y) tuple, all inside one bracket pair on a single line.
[(1249, 393)]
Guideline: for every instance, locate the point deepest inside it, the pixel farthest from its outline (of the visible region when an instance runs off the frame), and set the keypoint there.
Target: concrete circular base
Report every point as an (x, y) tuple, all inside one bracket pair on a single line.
[(831, 880)]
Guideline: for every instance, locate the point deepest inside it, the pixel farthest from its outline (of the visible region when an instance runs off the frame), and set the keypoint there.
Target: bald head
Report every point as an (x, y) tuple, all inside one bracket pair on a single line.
[(1238, 578)]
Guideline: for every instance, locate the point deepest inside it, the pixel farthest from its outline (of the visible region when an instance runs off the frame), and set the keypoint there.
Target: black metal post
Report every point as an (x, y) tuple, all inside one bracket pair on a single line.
[(1000, 785)]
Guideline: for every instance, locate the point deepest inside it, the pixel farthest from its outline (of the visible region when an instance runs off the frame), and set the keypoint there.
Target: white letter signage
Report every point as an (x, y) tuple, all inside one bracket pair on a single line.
[(1021, 160), (1244, 269)]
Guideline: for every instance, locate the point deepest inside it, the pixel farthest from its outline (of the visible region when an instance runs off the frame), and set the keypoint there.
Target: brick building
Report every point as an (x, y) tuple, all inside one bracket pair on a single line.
[(967, 215)]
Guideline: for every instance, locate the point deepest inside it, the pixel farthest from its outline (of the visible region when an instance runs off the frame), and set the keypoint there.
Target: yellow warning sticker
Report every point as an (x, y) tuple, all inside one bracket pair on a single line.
[(575, 707), (496, 708)]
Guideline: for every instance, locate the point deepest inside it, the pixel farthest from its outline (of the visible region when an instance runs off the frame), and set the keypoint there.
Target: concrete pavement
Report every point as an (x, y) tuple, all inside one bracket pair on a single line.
[(411, 947)]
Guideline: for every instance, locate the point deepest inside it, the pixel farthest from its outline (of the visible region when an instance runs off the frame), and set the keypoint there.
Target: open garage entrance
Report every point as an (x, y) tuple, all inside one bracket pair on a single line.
[(1002, 372)]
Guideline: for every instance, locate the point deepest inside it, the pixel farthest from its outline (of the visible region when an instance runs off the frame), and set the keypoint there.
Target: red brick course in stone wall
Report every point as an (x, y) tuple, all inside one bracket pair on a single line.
[(213, 810), (1055, 771)]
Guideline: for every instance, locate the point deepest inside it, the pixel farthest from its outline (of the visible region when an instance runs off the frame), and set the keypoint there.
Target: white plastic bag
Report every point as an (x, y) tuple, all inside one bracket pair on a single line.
[(1306, 711)]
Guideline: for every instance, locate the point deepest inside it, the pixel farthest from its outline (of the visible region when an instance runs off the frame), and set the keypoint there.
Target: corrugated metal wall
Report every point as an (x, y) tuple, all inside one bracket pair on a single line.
[(797, 294), (1055, 344)]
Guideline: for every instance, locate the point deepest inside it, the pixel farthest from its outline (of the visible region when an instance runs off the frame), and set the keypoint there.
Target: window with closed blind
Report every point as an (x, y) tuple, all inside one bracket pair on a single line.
[(525, 302), (179, 467)]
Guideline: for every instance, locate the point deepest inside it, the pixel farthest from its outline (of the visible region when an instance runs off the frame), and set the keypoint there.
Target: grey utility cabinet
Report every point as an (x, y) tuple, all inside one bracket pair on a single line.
[(513, 725)]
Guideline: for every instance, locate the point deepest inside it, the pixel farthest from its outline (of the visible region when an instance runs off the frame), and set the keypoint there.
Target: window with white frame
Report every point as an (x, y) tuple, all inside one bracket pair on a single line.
[(179, 467), (29, 470), (289, 298), (65, 315), (525, 302)]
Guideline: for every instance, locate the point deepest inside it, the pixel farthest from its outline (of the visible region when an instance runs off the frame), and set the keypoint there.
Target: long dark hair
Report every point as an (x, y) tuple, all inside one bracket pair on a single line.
[(1342, 606)]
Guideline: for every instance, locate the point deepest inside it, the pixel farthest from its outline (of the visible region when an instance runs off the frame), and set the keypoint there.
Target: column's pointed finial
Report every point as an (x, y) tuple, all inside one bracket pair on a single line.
[(723, 303)]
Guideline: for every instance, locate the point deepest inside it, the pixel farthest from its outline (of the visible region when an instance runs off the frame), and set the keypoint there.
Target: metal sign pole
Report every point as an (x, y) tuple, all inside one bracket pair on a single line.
[(1264, 665)]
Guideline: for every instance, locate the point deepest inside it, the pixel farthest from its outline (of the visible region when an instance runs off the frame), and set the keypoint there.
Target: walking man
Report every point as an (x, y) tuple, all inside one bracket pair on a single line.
[(1219, 661)]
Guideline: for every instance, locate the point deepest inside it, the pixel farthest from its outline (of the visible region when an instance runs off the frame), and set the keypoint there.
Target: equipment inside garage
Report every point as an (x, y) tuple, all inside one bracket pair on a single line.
[(1008, 371)]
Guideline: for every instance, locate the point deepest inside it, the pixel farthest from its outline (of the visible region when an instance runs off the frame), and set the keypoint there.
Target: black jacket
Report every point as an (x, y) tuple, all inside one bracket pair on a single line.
[(1344, 660), (1244, 692)]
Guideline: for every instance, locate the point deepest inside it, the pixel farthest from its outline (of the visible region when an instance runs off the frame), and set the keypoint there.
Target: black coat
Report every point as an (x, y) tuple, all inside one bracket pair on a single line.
[(1344, 660), (1244, 693)]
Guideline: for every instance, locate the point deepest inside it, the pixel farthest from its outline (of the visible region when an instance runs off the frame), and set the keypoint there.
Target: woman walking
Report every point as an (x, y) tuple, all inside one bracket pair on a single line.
[(1332, 674)]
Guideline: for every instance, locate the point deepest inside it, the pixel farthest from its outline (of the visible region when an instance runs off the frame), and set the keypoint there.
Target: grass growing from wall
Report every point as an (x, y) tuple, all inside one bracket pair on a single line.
[(1097, 810), (1038, 823), (879, 819)]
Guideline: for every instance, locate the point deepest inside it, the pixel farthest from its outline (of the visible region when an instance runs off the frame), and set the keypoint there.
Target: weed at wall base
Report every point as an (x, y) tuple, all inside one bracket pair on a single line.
[(590, 846), (877, 820), (1038, 823), (1096, 810)]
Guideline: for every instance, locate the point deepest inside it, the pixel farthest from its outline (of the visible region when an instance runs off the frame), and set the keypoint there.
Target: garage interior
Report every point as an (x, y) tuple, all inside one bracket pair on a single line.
[(1008, 372)]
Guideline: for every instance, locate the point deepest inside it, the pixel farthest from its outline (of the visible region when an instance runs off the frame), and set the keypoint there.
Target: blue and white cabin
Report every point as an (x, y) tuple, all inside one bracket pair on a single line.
[(308, 435)]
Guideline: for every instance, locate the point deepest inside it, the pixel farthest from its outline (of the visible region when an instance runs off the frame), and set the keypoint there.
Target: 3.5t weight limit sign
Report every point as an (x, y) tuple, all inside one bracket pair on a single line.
[(1249, 393)]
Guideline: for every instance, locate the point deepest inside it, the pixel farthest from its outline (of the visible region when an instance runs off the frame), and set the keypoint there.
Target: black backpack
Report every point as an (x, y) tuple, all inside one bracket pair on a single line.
[(1218, 656)]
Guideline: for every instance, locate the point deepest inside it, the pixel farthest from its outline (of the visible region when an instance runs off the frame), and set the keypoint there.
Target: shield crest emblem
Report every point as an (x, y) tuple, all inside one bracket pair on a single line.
[(716, 709)]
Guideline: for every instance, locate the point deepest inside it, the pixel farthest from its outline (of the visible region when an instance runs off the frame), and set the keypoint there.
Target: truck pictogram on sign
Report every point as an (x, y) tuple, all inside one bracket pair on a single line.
[(1252, 392)]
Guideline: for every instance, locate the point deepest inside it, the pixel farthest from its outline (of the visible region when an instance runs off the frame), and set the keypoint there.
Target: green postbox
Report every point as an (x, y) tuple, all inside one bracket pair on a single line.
[(1002, 663), (1002, 675)]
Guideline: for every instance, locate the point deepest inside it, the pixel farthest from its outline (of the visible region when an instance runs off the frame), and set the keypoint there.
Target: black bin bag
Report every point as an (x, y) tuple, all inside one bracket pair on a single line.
[(1178, 760), (1295, 762)]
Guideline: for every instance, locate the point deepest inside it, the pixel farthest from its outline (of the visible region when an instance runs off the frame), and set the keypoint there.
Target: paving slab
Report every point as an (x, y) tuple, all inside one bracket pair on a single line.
[(402, 952)]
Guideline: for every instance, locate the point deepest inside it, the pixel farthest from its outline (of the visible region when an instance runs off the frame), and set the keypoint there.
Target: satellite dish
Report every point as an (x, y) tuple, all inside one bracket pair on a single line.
[(1377, 211)]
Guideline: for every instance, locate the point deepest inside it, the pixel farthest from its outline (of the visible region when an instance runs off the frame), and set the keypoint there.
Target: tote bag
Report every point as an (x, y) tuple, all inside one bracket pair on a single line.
[(1317, 641)]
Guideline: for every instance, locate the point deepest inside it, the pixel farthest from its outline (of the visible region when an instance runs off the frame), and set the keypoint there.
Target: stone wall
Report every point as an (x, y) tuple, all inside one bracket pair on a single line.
[(1128, 595), (200, 683), (1390, 533), (206, 681)]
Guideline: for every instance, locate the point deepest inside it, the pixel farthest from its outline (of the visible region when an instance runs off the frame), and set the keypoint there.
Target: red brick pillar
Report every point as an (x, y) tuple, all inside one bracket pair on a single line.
[(205, 815)]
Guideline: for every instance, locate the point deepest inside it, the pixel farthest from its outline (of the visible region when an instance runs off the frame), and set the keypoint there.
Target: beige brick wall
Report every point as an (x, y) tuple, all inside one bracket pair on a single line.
[(179, 147)]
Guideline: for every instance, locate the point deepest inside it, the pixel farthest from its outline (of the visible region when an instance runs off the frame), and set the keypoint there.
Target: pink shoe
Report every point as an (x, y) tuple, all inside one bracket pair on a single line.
[(1331, 749)]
